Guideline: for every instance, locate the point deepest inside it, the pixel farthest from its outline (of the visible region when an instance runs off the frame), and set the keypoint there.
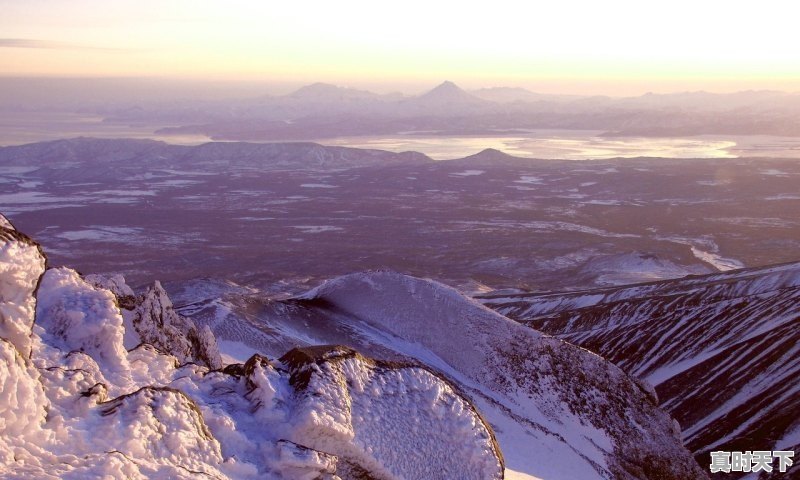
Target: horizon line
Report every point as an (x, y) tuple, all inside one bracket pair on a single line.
[(367, 85)]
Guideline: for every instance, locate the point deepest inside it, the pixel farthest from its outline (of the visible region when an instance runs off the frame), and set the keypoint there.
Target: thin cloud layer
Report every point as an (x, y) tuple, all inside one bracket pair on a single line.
[(54, 45)]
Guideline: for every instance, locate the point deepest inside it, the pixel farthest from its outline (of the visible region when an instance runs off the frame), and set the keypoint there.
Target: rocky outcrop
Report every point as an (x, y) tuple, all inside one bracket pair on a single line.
[(157, 324)]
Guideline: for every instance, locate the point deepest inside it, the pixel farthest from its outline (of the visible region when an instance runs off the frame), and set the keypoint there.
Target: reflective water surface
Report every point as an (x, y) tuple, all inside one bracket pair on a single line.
[(29, 127)]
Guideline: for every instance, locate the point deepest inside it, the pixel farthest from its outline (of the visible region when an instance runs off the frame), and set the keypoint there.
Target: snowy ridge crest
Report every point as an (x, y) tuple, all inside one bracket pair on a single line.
[(76, 404), (5, 223)]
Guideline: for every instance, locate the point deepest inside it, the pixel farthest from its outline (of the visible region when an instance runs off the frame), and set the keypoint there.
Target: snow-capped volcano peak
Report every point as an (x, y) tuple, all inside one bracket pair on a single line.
[(449, 92), (446, 88)]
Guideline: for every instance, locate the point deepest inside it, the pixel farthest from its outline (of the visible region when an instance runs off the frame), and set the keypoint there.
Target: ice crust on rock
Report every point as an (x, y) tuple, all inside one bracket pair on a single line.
[(22, 399), (5, 222)]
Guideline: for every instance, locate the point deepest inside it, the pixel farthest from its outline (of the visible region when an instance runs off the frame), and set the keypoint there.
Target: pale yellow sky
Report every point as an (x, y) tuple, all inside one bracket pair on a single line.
[(612, 47)]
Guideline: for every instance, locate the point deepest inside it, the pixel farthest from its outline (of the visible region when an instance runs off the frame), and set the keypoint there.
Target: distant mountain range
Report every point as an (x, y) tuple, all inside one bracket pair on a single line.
[(93, 157), (320, 111), (492, 218)]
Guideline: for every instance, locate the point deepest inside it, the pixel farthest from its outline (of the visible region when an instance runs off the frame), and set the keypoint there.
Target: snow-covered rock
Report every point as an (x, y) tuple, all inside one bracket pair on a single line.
[(22, 262), (22, 399), (162, 424), (296, 461), (5, 222), (126, 297), (396, 420), (157, 323), (204, 347), (80, 317)]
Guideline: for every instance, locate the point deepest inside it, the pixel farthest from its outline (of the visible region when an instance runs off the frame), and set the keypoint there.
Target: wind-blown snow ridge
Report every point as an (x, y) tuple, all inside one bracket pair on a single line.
[(75, 404)]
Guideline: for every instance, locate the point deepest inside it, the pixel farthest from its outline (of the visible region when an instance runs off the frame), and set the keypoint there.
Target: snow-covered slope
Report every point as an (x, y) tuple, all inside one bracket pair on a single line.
[(722, 350), (75, 404), (633, 267), (559, 412)]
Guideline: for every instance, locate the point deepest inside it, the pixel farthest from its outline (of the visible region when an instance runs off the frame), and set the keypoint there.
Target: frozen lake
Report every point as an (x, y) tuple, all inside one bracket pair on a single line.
[(583, 145), (28, 127)]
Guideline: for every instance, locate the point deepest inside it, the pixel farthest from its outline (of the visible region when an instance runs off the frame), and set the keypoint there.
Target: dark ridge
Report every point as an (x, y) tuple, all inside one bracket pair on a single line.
[(112, 406), (149, 346), (708, 279), (250, 366), (99, 389), (234, 369)]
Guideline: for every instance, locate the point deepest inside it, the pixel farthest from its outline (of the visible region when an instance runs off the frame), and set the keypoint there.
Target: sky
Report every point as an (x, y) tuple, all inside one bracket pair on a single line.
[(615, 47)]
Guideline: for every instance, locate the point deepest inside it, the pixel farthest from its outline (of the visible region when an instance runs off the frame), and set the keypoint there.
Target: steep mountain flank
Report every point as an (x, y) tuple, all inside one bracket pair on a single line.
[(722, 350)]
